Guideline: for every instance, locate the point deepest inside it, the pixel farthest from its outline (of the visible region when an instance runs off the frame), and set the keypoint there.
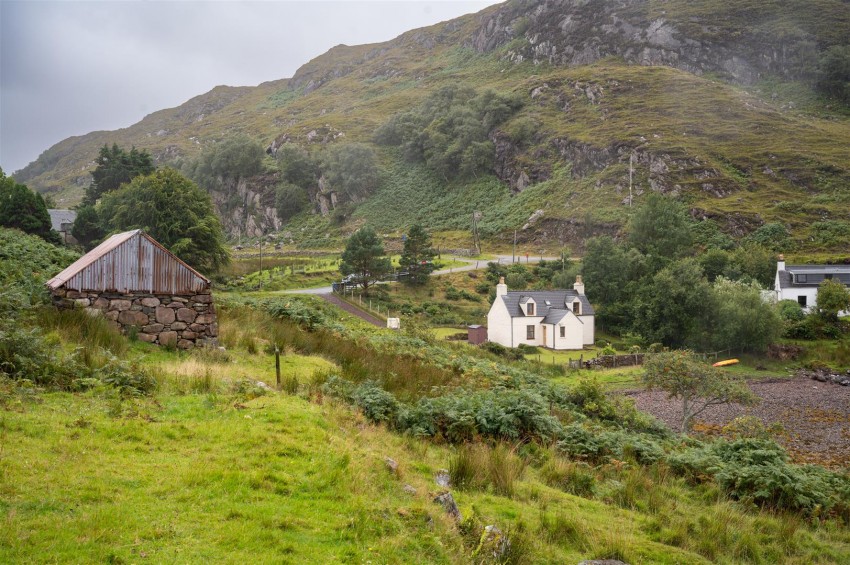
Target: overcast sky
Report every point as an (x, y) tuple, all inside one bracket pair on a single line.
[(68, 68)]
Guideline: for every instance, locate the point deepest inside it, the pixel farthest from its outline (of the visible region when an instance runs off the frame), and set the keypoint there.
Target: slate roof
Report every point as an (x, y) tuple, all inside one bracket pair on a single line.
[(59, 217), (555, 315), (558, 299), (814, 275)]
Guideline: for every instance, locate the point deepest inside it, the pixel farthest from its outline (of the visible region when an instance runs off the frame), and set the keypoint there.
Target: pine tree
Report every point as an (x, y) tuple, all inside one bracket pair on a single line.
[(24, 209), (418, 255), (364, 258)]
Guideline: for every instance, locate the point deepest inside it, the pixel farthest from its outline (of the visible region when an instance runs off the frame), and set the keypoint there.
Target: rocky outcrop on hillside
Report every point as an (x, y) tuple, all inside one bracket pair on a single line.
[(580, 32), (246, 208)]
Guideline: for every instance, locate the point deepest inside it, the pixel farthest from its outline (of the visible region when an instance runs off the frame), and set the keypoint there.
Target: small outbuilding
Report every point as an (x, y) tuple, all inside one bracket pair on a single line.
[(476, 334), (62, 222), (140, 286)]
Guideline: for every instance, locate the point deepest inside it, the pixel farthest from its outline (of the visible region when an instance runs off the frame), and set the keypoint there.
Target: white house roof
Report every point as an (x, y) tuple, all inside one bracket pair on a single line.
[(802, 276), (547, 300)]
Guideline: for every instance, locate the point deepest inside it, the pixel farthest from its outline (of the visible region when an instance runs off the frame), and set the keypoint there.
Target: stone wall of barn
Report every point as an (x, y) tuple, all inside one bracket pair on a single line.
[(177, 321)]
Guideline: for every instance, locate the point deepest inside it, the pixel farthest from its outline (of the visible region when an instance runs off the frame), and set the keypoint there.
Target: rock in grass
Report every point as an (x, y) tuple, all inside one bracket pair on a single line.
[(392, 465), (443, 479), (409, 489), (447, 501)]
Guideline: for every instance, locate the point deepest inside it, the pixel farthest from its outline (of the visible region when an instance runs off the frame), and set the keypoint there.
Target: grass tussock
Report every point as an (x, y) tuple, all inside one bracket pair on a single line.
[(480, 467), (78, 326), (571, 477)]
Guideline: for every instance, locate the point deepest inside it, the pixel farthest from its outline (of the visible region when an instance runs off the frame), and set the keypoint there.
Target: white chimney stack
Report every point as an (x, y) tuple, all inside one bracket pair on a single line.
[(579, 286), (780, 265), (501, 288)]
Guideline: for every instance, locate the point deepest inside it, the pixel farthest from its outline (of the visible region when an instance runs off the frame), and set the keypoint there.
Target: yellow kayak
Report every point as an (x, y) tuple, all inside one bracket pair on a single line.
[(726, 363)]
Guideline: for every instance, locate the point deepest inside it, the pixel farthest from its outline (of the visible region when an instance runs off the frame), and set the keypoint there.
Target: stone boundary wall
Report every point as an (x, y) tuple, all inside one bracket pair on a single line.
[(177, 321)]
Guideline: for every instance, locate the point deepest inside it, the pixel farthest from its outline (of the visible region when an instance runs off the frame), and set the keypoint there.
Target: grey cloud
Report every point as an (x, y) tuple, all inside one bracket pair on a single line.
[(67, 68)]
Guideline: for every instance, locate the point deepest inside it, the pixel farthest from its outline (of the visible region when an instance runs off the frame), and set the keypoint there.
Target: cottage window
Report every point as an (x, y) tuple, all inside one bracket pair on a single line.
[(529, 332), (802, 278), (828, 276), (577, 308), (530, 308), (563, 331), (801, 300)]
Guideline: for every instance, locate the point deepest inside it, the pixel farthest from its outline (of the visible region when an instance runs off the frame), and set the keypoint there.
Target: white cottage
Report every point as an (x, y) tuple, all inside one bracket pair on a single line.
[(555, 319), (800, 282)]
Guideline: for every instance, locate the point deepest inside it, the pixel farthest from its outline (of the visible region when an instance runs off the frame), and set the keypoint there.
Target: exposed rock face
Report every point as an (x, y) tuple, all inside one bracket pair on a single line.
[(579, 32), (153, 317), (247, 208)]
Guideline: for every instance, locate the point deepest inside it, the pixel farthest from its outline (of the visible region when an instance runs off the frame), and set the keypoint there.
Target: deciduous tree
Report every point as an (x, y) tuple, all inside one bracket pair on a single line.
[(24, 209), (833, 297), (697, 384), (174, 211)]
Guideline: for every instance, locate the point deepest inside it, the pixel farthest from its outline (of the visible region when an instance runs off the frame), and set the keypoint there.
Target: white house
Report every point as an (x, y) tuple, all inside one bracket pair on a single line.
[(800, 282), (556, 319)]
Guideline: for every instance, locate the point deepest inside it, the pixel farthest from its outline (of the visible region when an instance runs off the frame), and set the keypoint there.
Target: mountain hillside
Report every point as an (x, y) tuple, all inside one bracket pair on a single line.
[(709, 101)]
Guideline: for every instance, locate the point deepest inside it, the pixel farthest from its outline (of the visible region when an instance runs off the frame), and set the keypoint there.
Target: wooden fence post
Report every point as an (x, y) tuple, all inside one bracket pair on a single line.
[(277, 365)]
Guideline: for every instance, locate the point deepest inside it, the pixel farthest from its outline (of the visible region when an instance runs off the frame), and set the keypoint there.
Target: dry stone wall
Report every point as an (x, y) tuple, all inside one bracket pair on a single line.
[(176, 321)]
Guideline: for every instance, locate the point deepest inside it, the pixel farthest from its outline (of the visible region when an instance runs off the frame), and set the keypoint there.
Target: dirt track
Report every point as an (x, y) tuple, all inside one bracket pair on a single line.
[(815, 416)]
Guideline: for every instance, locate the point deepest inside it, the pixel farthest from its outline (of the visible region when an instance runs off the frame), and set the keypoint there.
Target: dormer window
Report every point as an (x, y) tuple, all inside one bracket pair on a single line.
[(529, 308), (577, 308)]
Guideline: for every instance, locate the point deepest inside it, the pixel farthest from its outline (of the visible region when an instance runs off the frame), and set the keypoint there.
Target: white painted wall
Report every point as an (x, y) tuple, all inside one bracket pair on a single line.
[(589, 327), (573, 335), (499, 323), (811, 295), (520, 329)]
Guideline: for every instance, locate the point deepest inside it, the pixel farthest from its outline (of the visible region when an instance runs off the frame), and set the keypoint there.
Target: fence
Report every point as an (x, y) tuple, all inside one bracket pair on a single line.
[(629, 360)]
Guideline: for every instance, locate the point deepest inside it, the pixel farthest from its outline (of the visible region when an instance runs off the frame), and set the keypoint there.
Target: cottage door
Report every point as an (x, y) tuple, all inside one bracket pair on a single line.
[(544, 336)]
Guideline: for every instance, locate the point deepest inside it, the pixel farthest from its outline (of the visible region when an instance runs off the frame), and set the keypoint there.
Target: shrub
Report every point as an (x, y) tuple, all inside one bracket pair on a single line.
[(790, 310), (130, 380), (757, 470), (377, 404), (516, 281)]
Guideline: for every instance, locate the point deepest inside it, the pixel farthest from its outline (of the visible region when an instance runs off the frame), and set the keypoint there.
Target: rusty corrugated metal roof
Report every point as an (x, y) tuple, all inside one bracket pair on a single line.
[(130, 262)]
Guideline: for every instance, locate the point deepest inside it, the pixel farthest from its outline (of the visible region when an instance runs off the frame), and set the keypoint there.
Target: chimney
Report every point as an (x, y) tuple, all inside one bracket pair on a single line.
[(501, 288), (579, 286), (780, 265)]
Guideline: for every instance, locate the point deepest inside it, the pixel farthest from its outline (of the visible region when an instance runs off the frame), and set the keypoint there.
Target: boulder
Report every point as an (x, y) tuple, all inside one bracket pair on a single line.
[(82, 302), (150, 302), (202, 298), (392, 464), (133, 318), (112, 315), (187, 334), (120, 304), (185, 344), (164, 315), (153, 328), (177, 326), (186, 315), (168, 338), (213, 330), (101, 303), (146, 337), (447, 501), (205, 318), (442, 478)]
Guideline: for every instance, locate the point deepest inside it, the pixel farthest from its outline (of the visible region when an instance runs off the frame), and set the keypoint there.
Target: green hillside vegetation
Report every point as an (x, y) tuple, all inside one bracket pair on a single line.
[(117, 450), (745, 155)]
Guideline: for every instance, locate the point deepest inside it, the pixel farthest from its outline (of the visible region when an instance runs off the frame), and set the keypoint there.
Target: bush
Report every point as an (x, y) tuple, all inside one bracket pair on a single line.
[(377, 404), (790, 311), (516, 281), (476, 466), (757, 471)]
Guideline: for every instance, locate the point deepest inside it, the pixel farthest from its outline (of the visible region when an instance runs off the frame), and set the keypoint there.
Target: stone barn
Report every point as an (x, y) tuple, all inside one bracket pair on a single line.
[(140, 286)]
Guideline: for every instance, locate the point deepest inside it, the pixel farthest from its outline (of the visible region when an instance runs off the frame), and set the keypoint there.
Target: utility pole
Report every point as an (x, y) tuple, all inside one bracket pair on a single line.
[(631, 172), (513, 255)]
